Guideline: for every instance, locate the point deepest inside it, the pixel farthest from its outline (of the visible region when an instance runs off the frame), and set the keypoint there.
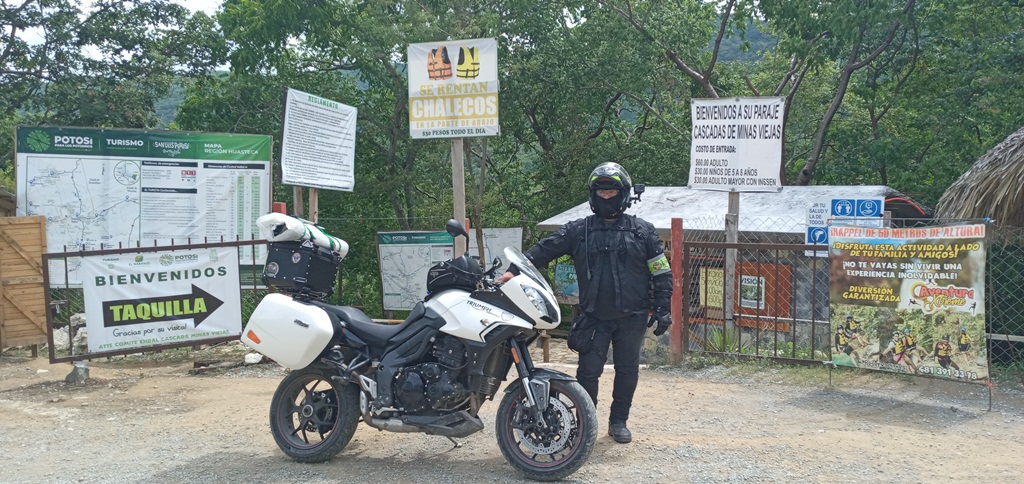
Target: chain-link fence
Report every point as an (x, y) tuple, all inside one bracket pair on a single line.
[(781, 295), (1005, 301), (781, 290)]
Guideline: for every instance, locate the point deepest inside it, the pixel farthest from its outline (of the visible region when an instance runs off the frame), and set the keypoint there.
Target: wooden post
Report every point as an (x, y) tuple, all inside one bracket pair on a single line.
[(3, 303), (297, 196), (678, 333), (458, 191), (732, 225), (314, 205)]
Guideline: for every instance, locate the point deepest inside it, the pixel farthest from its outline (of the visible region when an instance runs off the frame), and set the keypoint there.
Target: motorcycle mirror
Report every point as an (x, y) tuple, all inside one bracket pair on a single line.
[(496, 263), (455, 229)]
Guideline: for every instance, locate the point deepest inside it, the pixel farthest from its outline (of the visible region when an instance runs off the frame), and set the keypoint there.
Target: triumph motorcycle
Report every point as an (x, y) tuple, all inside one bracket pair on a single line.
[(432, 373)]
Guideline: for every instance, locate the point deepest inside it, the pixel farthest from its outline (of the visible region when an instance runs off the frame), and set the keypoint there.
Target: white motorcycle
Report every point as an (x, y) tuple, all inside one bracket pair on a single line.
[(429, 374)]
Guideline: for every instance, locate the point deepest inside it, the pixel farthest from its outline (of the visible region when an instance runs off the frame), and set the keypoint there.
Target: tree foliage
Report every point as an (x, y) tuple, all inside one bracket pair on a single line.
[(105, 64), (896, 92)]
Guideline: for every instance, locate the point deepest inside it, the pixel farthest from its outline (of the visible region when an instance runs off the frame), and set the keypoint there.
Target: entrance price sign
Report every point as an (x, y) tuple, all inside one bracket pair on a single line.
[(736, 144)]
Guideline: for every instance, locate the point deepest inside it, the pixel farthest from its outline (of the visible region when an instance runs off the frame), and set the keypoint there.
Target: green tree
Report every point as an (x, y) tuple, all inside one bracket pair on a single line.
[(105, 65)]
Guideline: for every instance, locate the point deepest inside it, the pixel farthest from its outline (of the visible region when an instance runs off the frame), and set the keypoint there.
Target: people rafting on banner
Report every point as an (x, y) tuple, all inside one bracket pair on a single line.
[(915, 352), (898, 350), (842, 343), (854, 331), (943, 353)]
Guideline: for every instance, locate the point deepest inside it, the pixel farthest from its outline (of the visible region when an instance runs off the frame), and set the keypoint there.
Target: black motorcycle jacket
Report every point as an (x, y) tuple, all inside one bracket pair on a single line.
[(624, 258)]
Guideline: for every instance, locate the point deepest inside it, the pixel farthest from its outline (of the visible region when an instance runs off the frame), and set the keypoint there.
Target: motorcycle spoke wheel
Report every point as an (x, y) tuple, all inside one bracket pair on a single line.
[(557, 448), (311, 418)]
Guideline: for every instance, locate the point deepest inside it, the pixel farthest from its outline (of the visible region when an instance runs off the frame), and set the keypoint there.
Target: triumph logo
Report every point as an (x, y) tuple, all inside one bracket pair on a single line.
[(481, 307)]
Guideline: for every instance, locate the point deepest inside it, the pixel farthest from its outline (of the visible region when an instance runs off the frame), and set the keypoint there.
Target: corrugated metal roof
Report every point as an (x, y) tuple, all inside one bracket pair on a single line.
[(778, 212)]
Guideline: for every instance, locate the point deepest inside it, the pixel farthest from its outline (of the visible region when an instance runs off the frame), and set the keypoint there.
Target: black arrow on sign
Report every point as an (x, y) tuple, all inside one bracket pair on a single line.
[(197, 306)]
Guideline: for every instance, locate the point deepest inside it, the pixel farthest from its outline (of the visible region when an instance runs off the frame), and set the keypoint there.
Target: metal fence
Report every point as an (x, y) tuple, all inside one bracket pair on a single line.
[(782, 295), (66, 322), (781, 309)]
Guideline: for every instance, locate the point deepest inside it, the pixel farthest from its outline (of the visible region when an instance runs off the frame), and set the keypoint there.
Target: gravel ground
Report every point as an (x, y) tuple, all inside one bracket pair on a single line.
[(148, 419)]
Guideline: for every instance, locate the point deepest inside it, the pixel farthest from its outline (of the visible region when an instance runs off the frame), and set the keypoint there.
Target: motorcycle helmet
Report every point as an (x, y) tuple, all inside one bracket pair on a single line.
[(906, 330), (610, 176), (849, 316), (963, 328), (945, 337)]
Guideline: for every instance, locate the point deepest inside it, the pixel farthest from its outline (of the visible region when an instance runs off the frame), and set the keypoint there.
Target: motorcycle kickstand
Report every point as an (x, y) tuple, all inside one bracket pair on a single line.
[(456, 443)]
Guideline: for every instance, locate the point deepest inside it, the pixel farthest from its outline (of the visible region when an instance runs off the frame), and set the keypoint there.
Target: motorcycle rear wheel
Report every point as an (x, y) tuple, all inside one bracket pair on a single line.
[(553, 452), (311, 418)]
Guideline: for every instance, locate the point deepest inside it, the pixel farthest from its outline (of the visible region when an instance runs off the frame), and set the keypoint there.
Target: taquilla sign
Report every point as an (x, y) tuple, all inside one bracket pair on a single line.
[(158, 298)]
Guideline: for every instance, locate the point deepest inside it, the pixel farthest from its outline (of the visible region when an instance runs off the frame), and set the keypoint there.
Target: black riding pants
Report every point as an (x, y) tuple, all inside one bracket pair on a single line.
[(626, 337)]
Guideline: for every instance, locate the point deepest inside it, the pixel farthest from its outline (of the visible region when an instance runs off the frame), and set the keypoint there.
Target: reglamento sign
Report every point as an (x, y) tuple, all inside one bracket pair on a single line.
[(453, 89), (318, 147)]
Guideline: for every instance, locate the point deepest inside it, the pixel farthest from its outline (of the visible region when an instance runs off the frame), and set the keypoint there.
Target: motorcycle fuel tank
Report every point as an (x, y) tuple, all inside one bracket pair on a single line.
[(287, 331), (469, 318)]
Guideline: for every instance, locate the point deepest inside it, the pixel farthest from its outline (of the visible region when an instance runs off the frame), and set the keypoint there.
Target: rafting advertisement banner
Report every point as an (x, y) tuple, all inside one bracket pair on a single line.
[(909, 300)]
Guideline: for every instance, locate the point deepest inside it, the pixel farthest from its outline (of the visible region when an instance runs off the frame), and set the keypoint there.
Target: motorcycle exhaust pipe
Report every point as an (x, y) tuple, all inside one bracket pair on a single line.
[(392, 425)]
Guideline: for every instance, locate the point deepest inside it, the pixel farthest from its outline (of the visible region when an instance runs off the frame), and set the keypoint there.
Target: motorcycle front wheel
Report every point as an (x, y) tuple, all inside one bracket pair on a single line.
[(557, 448), (311, 417)]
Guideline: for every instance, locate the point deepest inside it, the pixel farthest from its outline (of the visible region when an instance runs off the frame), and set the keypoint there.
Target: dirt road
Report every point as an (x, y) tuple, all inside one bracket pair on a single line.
[(151, 421)]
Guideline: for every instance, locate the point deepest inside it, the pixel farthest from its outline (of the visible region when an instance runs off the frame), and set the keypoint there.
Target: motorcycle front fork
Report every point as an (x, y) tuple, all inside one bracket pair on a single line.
[(537, 390)]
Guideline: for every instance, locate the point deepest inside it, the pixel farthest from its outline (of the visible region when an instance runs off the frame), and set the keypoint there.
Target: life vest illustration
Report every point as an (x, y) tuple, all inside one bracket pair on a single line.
[(439, 65), (841, 339), (469, 63)]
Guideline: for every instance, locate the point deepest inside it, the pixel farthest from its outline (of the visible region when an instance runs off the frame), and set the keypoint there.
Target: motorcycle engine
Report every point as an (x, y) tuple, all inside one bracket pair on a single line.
[(433, 385)]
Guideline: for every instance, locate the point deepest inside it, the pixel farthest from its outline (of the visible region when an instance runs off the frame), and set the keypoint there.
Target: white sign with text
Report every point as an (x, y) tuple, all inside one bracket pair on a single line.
[(736, 144)]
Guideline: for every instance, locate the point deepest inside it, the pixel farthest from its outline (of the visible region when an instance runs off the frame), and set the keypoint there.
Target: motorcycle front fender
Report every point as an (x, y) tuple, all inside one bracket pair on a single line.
[(540, 375)]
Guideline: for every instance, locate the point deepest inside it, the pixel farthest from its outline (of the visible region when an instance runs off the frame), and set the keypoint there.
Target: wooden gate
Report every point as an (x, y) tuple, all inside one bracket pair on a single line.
[(22, 300)]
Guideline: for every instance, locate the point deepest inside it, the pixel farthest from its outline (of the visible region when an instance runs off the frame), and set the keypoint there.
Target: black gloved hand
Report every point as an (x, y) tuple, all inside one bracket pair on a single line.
[(661, 317)]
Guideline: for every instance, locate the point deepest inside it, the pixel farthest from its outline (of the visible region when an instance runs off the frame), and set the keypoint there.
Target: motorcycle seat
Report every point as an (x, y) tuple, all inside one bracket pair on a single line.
[(374, 334)]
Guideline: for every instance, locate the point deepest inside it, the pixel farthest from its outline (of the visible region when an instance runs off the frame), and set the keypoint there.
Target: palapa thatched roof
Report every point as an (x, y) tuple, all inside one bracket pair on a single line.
[(993, 187)]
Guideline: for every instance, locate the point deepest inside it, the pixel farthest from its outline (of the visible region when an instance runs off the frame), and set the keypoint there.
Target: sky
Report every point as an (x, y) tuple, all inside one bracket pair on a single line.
[(208, 6)]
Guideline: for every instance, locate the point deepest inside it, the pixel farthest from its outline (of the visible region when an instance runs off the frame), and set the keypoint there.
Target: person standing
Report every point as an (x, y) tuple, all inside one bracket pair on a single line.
[(623, 277)]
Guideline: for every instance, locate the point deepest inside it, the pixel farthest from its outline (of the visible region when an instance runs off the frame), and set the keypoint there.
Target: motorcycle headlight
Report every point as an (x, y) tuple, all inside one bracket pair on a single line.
[(539, 302)]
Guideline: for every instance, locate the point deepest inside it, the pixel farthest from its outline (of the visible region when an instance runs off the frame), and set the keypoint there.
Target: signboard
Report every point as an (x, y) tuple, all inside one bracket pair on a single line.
[(158, 298), (736, 144), (566, 286), (910, 300), (111, 187), (865, 212), (405, 258), (764, 294), (453, 89), (318, 146), (495, 241)]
